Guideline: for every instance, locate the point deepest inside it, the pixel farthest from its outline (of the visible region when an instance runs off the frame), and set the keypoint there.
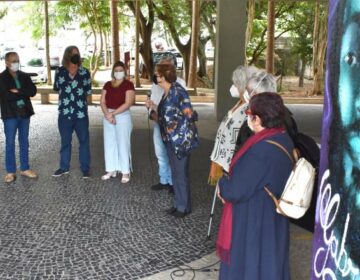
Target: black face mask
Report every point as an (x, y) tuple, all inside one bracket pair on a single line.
[(154, 79), (75, 59)]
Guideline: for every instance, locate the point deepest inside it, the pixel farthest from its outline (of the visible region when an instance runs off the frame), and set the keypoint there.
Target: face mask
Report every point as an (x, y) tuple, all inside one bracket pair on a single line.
[(75, 59), (249, 120), (246, 96), (234, 92), (154, 79), (15, 66), (119, 75)]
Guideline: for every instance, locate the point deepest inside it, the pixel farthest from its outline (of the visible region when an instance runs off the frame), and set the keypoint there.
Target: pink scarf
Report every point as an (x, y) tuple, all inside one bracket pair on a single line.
[(223, 243)]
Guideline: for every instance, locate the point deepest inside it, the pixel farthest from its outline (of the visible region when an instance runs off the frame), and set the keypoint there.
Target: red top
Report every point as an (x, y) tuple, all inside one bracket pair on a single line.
[(115, 96)]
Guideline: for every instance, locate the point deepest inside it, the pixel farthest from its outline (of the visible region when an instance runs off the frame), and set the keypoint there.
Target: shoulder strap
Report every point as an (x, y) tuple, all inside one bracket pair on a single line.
[(282, 148)]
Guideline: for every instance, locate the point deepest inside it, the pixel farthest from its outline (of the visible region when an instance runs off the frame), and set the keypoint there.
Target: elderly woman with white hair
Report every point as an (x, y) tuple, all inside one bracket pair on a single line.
[(229, 127), (261, 82)]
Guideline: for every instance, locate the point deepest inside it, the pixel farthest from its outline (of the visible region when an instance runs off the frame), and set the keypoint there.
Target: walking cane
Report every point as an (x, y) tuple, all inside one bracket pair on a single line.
[(212, 211)]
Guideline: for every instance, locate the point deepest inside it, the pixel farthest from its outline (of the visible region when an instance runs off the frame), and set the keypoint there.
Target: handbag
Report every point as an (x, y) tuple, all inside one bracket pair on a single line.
[(296, 197)]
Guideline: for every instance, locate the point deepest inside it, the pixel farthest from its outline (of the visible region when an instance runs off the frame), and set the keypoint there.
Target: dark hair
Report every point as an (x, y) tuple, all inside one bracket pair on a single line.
[(168, 71), (117, 64), (67, 55), (269, 107), (7, 55)]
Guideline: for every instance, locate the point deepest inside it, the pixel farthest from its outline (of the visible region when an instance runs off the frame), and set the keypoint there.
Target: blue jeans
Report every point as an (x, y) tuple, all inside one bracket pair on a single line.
[(181, 180), (10, 127), (66, 129), (162, 157)]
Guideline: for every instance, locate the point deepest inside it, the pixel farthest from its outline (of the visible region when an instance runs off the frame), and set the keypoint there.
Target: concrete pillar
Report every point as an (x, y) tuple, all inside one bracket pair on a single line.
[(230, 43)]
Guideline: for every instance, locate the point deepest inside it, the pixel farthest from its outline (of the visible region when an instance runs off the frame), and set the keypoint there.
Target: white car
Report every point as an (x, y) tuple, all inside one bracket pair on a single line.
[(36, 68)]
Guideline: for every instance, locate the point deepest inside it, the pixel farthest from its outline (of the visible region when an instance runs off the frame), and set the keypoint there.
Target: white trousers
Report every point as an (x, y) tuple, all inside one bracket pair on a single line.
[(117, 143)]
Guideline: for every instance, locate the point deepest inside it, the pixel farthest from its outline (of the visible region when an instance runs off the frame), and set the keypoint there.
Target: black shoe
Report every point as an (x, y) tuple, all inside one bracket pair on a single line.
[(159, 187), (60, 172), (171, 189), (171, 210), (178, 214), (86, 174)]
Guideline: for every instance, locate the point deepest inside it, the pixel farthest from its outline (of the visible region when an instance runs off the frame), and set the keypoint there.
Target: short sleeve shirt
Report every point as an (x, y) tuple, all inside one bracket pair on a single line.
[(115, 96), (73, 92)]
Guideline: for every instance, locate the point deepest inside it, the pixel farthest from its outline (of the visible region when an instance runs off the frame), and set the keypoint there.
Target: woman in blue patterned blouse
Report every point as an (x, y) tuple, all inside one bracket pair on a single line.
[(73, 83), (176, 118)]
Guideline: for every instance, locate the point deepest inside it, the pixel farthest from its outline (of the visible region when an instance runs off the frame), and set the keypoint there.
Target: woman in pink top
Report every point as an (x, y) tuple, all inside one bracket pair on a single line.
[(116, 99)]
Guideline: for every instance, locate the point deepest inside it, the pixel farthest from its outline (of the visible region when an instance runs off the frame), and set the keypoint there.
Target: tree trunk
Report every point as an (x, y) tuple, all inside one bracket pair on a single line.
[(202, 57), (47, 43), (137, 30), (302, 72), (115, 54), (106, 50), (146, 27), (249, 26), (319, 46), (192, 78), (270, 37)]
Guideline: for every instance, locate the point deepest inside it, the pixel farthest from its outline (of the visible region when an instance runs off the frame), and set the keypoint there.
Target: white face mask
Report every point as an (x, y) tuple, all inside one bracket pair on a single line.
[(15, 67), (249, 123), (234, 92), (119, 75)]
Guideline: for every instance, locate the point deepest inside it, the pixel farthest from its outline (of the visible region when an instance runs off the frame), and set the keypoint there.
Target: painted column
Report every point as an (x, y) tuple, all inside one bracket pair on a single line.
[(336, 247)]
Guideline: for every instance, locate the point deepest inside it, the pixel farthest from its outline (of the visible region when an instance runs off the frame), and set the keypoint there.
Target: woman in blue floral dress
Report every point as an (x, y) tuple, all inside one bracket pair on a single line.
[(176, 118)]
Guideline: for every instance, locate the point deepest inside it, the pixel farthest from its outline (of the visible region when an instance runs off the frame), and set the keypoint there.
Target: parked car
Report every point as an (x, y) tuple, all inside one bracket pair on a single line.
[(54, 62), (179, 59), (5, 50), (36, 68)]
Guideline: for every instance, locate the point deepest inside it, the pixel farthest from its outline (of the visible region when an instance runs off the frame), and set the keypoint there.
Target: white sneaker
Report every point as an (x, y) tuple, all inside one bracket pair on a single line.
[(108, 175)]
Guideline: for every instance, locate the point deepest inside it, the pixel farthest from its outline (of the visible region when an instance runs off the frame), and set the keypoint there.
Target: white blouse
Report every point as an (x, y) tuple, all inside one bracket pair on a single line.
[(226, 136)]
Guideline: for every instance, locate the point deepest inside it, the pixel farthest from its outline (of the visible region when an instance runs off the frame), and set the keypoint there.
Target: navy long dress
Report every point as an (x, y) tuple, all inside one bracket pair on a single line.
[(260, 236)]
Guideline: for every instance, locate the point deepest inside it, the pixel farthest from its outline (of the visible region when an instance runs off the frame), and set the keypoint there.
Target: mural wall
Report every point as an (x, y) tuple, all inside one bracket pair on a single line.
[(336, 248)]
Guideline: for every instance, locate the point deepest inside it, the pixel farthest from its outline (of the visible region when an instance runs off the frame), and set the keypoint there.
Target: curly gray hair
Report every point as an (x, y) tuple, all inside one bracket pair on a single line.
[(261, 82), (241, 75)]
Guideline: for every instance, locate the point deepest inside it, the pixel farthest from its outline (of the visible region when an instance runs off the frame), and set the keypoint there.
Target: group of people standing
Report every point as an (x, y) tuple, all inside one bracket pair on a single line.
[(253, 239), (73, 84)]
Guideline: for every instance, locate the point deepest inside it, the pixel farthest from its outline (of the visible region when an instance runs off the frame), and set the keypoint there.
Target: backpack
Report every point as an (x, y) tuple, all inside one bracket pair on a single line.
[(296, 197)]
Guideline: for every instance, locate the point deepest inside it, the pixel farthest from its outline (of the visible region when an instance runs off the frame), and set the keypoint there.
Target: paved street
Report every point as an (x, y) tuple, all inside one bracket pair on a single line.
[(71, 228)]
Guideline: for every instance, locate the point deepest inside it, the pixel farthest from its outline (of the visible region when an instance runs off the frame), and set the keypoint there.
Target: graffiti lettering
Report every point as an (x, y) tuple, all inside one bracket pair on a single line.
[(329, 206)]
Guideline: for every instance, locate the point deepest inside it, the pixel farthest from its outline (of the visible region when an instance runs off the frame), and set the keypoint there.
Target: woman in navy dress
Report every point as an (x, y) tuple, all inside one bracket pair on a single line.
[(253, 239)]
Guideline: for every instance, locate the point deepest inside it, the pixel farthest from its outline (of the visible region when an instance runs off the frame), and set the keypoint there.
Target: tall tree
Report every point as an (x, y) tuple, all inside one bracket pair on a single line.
[(47, 43), (270, 37), (319, 46), (146, 28), (93, 16), (194, 43), (175, 15), (249, 26), (137, 30), (114, 31)]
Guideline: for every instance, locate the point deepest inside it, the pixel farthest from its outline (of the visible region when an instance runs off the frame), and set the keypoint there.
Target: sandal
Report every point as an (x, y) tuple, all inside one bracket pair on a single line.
[(108, 175), (10, 177), (125, 178)]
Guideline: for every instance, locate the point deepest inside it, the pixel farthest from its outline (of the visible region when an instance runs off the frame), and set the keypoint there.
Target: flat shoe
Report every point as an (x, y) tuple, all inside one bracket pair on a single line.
[(29, 173), (10, 177), (108, 175), (125, 178)]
